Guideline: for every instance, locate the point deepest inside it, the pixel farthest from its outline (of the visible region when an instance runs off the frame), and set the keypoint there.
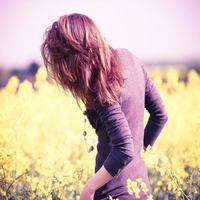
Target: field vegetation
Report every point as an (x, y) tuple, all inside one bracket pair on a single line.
[(43, 155)]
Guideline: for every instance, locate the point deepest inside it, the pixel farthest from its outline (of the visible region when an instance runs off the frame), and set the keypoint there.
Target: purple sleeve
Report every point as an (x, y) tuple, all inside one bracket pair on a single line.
[(120, 135), (158, 115)]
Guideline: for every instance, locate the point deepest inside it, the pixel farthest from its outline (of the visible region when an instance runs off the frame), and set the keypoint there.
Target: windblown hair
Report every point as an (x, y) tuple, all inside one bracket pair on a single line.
[(80, 60)]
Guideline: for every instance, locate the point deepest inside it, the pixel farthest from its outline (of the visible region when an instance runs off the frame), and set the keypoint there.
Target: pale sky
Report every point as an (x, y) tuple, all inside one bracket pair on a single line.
[(153, 30)]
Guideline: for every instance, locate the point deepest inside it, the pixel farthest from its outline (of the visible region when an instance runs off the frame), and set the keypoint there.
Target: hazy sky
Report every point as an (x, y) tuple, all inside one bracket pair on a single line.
[(154, 30)]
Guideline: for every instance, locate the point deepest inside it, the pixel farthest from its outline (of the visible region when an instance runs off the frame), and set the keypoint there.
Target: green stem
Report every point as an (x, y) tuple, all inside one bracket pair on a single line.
[(176, 183), (14, 181), (4, 177)]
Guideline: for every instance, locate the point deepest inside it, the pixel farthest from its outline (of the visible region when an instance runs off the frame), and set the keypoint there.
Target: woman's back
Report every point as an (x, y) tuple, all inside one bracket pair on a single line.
[(136, 89), (133, 99)]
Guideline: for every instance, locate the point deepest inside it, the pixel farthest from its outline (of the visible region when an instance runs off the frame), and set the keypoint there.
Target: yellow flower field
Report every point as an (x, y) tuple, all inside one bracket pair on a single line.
[(43, 155)]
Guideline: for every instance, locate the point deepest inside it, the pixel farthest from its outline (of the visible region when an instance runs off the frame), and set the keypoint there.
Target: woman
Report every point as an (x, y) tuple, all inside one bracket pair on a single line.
[(115, 88)]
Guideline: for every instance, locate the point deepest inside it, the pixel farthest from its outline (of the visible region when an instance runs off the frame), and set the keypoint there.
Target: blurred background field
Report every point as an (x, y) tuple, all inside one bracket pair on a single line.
[(43, 155)]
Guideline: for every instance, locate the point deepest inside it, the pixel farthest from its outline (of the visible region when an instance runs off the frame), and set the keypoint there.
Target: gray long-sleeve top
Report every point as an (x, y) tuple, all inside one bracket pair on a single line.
[(120, 127)]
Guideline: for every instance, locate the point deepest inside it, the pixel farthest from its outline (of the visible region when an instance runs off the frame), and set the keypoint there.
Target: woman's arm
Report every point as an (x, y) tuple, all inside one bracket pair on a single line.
[(122, 151), (120, 136), (158, 115), (95, 182)]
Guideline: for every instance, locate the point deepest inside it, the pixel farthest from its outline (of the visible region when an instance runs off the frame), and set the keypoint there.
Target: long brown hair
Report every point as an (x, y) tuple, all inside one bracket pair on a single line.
[(80, 60)]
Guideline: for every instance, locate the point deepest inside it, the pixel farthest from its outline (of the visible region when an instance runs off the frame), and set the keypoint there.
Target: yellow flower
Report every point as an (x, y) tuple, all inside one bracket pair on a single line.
[(143, 184), (138, 179), (137, 195), (3, 193), (150, 197)]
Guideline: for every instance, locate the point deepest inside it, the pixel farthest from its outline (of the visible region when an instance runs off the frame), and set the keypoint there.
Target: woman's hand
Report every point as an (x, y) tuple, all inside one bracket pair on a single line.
[(87, 193), (94, 183)]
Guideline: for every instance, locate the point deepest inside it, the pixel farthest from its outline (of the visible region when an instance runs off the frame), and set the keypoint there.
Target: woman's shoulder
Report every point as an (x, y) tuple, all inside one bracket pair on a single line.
[(122, 50), (126, 55)]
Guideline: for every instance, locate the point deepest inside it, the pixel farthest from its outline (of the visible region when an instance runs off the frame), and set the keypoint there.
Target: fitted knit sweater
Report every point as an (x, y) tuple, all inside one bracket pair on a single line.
[(121, 130)]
